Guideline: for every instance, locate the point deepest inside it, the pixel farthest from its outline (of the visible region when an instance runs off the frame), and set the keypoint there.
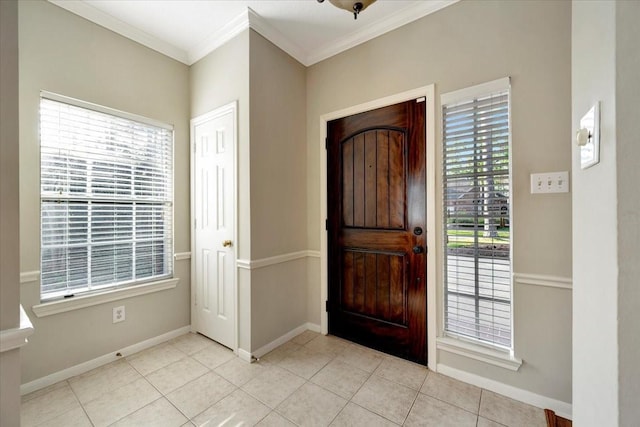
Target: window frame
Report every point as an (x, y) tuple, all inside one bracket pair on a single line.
[(450, 340), (113, 290)]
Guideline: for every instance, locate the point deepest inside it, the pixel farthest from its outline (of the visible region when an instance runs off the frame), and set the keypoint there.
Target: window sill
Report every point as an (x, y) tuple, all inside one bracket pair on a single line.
[(75, 303), (498, 358)]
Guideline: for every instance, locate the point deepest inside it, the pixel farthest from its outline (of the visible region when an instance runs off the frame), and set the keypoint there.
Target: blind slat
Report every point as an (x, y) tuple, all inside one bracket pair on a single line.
[(476, 196), (106, 199)]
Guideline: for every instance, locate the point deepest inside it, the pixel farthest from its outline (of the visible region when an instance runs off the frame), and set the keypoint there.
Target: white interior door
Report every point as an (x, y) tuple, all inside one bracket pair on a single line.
[(213, 257)]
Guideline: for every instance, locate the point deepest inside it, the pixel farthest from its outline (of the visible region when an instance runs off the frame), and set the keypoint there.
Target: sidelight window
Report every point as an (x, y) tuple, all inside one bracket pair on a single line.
[(477, 213), (106, 195)]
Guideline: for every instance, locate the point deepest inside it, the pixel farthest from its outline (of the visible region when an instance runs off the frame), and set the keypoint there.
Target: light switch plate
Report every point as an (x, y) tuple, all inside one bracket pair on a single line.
[(550, 182)]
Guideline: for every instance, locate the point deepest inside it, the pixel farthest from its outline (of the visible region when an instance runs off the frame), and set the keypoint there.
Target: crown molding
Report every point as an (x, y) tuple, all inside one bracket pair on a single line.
[(218, 38), (376, 29), (250, 19), (85, 10), (262, 27)]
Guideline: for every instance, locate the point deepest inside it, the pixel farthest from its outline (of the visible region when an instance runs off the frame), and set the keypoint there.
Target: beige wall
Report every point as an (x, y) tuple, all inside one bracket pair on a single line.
[(628, 178), (278, 190), (65, 54), (606, 376), (462, 45), (216, 80), (595, 272), (9, 212)]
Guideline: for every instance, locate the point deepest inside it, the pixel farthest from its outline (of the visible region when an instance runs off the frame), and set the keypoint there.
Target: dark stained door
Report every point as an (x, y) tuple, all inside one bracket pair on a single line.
[(377, 236)]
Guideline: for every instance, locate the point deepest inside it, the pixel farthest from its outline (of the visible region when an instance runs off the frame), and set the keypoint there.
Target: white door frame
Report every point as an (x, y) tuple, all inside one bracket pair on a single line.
[(429, 93), (220, 111)]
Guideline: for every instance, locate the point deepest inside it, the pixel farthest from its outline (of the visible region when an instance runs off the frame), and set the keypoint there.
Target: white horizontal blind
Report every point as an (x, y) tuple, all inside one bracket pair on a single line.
[(477, 217), (106, 200)]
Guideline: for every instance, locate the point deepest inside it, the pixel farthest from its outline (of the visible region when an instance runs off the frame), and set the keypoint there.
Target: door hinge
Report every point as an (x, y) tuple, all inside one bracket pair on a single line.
[(326, 224)]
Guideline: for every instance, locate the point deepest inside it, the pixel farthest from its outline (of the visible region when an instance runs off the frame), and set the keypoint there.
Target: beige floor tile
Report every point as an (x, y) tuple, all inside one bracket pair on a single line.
[(361, 357), (191, 343), (94, 384), (428, 411), (305, 337), (510, 412), (328, 344), (176, 374), (160, 413), (273, 386), (483, 422), (311, 405), (238, 371), (43, 391), (213, 356), (237, 409), (386, 398), (304, 362), (354, 416), (48, 406), (119, 403), (341, 378), (402, 372), (155, 358), (201, 393), (73, 418), (457, 393), (275, 420), (281, 352)]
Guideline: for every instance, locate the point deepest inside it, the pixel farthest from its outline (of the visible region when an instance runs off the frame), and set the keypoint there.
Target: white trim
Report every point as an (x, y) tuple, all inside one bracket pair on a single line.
[(85, 10), (430, 140), (284, 338), (502, 359), (179, 256), (543, 280), (100, 361), (561, 408), (11, 339), (250, 19), (30, 276), (262, 27), (482, 89), (278, 259), (234, 27), (378, 28), (105, 110), (83, 301), (244, 355)]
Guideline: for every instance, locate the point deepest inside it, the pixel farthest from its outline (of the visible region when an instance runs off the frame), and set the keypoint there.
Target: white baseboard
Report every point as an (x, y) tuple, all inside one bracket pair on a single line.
[(561, 408), (99, 361), (245, 355), (286, 337)]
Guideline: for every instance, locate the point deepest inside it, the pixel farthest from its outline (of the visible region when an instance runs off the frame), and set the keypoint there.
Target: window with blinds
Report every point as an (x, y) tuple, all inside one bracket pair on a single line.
[(477, 208), (106, 198)]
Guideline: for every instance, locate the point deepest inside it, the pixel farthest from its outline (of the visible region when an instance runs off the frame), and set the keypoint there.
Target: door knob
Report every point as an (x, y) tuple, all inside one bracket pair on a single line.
[(226, 243), (418, 249)]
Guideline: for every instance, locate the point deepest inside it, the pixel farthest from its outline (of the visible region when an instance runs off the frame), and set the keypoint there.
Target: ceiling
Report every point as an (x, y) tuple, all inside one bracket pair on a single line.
[(187, 30)]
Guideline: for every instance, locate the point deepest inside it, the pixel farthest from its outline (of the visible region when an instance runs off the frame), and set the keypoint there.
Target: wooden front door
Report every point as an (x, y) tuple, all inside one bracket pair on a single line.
[(376, 224)]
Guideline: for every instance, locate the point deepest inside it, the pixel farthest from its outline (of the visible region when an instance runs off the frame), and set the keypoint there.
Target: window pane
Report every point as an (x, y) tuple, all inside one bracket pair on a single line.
[(476, 212), (106, 199)]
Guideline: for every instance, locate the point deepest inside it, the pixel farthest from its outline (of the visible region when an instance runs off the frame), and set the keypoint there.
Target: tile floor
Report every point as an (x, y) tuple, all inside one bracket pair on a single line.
[(312, 380)]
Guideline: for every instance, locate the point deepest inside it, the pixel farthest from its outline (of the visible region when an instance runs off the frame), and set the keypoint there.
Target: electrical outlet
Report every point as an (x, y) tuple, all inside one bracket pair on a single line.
[(550, 182), (118, 314)]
